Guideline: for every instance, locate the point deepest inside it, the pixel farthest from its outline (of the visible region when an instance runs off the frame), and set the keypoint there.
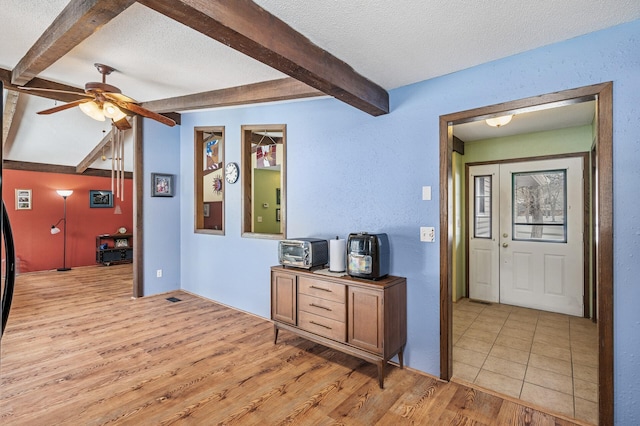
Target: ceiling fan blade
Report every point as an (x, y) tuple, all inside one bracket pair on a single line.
[(63, 107), (122, 124), (146, 113), (68, 92), (119, 97)]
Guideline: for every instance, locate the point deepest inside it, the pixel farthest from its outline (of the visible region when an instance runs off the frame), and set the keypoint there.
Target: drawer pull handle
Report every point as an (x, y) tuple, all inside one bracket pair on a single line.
[(320, 288), (321, 307), (321, 325)]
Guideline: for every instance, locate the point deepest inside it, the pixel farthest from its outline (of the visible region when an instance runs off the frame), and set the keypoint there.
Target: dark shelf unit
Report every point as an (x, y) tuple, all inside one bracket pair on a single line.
[(115, 251)]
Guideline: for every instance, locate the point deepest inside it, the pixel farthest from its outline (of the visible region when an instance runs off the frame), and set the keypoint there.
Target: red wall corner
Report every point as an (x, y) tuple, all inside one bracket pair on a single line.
[(36, 248)]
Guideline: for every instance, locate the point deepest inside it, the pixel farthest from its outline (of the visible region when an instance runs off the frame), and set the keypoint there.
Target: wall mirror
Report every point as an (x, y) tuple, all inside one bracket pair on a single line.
[(209, 180), (264, 168)]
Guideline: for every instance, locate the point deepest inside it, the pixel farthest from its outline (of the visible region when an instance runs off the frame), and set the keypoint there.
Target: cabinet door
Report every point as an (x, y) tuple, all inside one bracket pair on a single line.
[(365, 319), (283, 297)]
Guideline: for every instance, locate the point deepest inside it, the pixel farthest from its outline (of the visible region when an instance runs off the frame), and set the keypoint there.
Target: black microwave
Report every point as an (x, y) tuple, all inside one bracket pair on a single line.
[(368, 255)]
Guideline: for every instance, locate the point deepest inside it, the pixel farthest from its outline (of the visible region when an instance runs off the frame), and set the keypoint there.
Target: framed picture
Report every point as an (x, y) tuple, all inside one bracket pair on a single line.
[(121, 242), (23, 199), (162, 185), (277, 215), (100, 199)]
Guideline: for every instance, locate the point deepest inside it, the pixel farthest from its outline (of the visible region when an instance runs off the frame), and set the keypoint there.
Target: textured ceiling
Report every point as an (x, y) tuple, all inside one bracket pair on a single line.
[(390, 42)]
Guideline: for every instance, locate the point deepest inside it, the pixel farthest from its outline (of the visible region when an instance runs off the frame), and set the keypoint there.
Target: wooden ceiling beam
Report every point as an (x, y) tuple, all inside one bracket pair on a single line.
[(7, 117), (240, 25), (77, 21), (95, 153), (56, 168), (5, 76), (268, 91)]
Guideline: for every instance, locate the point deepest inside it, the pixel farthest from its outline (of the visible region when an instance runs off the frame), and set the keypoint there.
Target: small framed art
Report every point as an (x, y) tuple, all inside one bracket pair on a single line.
[(162, 185), (100, 199), (23, 199), (121, 242)]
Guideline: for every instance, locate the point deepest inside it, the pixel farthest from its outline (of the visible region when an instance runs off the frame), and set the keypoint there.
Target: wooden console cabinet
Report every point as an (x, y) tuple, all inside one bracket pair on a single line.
[(114, 248), (366, 319)]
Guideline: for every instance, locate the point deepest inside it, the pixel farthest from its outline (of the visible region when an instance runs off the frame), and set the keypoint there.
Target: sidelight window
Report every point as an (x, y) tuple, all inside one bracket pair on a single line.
[(482, 209)]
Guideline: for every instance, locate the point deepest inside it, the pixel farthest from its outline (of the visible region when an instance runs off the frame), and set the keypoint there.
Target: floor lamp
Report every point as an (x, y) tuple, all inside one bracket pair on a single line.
[(64, 193)]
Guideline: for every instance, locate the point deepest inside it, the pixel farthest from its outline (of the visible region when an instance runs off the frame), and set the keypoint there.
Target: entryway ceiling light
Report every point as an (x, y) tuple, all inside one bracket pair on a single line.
[(499, 121)]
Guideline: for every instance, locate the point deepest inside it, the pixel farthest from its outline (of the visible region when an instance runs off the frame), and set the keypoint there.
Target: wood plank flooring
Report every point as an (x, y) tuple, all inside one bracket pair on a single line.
[(79, 351)]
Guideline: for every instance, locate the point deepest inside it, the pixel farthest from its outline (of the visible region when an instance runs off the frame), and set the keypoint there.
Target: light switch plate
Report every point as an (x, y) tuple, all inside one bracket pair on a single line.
[(427, 234), (426, 193)]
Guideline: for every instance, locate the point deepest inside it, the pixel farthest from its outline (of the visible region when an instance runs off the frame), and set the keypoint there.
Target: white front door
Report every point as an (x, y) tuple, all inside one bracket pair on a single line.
[(534, 255)]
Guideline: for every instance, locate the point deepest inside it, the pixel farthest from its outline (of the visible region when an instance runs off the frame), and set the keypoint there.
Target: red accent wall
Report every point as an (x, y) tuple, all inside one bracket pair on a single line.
[(36, 248)]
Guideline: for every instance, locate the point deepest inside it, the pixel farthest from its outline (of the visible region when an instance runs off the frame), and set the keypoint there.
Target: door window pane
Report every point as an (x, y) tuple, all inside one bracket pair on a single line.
[(482, 208), (539, 206)]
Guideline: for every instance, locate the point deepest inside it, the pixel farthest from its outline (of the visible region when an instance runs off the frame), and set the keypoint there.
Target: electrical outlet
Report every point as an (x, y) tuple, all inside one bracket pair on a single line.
[(259, 219), (159, 273), (427, 234)]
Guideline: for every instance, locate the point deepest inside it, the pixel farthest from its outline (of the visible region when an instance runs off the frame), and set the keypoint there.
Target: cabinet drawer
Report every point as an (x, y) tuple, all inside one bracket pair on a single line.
[(322, 326), (322, 289), (325, 308)]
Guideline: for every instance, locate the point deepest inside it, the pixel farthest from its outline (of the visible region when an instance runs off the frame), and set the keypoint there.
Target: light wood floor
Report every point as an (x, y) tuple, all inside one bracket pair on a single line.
[(79, 351)]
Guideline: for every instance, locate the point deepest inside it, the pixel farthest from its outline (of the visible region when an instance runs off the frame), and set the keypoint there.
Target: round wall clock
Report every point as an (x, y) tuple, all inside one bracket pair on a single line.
[(231, 172)]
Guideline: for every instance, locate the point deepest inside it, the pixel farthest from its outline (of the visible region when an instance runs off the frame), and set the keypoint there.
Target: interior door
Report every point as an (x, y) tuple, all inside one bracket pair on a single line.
[(541, 241), (526, 234)]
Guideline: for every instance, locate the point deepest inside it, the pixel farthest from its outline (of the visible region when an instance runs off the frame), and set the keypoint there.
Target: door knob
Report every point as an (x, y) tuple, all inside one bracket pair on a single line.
[(505, 235), (505, 245)]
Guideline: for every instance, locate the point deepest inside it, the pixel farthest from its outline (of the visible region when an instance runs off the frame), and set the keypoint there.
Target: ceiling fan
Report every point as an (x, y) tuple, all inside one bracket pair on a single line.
[(102, 100)]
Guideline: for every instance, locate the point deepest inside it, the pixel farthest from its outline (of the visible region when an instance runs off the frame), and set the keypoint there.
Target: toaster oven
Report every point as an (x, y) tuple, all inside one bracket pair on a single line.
[(303, 252)]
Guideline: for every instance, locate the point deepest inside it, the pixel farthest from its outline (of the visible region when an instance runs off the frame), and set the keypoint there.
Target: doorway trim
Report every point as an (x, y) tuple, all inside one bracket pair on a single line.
[(603, 193)]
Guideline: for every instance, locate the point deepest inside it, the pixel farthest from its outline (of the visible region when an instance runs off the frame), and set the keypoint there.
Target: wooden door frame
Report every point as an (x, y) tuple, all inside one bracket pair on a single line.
[(603, 191), (138, 222), (586, 212)]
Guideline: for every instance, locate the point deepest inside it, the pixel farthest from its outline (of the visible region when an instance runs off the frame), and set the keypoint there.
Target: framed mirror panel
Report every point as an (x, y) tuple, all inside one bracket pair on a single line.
[(264, 191), (209, 180)]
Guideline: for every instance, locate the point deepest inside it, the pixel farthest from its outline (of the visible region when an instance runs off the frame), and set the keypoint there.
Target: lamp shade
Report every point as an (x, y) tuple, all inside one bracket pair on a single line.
[(112, 111), (92, 110), (64, 192), (54, 230)]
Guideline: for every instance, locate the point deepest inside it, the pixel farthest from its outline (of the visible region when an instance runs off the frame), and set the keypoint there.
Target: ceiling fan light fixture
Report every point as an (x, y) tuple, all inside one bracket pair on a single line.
[(499, 121), (110, 110), (92, 110)]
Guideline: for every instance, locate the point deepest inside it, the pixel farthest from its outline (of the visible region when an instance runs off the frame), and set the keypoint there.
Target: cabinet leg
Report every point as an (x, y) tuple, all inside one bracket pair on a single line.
[(381, 373), (401, 357), (275, 334)]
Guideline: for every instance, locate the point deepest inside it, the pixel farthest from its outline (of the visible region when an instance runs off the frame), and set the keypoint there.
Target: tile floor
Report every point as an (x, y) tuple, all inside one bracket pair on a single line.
[(548, 359)]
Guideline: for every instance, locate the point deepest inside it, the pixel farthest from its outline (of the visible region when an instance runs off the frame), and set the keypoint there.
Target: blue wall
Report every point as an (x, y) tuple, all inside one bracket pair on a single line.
[(349, 172), (161, 215)]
